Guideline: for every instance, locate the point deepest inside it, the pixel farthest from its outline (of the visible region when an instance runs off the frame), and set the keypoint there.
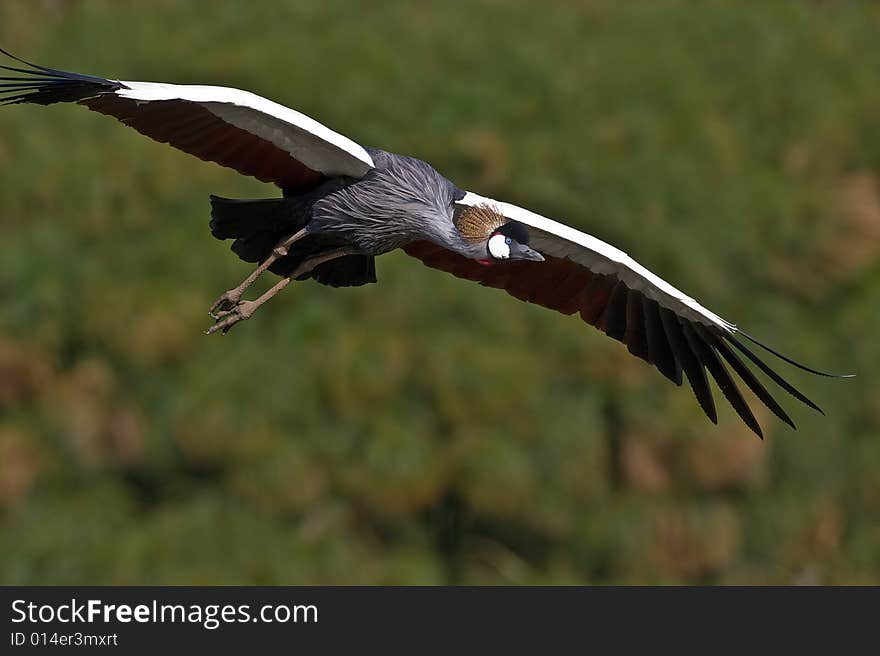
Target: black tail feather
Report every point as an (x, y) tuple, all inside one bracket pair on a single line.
[(258, 225), (348, 271), (255, 248), (235, 219)]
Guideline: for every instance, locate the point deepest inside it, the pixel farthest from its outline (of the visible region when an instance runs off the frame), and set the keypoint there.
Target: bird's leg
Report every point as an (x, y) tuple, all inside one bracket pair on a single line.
[(231, 298), (226, 319)]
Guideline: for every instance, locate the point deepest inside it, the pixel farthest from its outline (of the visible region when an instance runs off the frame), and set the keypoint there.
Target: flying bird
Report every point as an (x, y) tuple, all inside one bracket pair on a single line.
[(342, 205)]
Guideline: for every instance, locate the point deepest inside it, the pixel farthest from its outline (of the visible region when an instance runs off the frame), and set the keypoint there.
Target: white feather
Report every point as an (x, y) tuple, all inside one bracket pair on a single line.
[(554, 238), (310, 142), (499, 248)]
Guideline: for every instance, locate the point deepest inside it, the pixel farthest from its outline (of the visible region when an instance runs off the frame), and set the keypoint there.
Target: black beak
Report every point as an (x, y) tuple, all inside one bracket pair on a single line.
[(520, 252)]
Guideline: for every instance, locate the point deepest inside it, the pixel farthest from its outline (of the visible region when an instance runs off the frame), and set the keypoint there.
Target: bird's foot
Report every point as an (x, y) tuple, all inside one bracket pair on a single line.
[(226, 319), (225, 303)]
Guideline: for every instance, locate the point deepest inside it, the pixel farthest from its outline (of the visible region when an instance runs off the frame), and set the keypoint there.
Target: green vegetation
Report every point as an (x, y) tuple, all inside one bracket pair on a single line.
[(426, 430)]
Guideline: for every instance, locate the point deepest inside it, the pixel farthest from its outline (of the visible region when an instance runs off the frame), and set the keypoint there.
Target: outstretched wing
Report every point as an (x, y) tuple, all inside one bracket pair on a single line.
[(611, 291), (234, 128)]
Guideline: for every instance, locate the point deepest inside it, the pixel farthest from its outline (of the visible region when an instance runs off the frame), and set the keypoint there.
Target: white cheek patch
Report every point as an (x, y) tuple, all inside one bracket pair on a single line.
[(498, 247)]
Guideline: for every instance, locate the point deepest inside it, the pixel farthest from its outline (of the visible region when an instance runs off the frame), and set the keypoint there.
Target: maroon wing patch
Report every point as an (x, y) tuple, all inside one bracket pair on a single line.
[(195, 130)]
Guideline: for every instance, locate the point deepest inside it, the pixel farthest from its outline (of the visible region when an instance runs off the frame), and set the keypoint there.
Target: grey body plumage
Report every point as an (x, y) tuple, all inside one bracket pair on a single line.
[(400, 201)]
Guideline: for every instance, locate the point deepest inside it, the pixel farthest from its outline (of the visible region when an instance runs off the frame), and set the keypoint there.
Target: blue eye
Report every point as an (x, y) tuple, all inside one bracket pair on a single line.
[(507, 241)]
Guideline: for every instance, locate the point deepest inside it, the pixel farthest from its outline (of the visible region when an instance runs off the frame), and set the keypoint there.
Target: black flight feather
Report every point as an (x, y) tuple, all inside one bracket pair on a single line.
[(53, 72), (790, 361), (746, 375), (636, 333), (693, 368), (46, 86), (779, 380), (707, 355), (659, 350), (613, 320)]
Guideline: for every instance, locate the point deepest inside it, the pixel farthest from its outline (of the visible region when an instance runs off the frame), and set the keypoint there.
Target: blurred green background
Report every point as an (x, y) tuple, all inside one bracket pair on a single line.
[(427, 430)]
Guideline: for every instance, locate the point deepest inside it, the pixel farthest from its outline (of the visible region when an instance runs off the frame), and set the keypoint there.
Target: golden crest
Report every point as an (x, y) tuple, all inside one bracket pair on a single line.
[(478, 222)]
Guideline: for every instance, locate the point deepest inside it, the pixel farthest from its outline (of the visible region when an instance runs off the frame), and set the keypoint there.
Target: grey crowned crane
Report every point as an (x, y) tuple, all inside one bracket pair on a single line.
[(343, 204)]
